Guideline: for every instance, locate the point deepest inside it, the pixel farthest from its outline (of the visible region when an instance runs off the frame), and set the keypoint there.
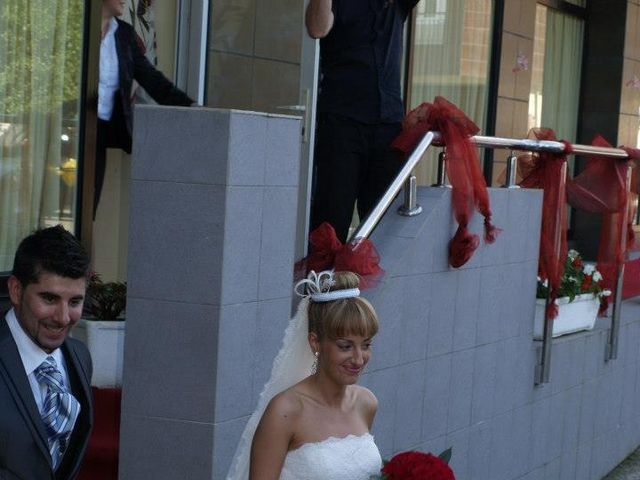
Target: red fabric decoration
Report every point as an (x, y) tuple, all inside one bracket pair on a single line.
[(634, 155), (469, 189), (631, 284), (327, 252), (544, 170), (602, 188), (417, 466), (101, 459), (599, 188)]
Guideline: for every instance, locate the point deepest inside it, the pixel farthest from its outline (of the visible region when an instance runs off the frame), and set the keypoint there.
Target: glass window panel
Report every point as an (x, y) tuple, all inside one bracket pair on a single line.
[(537, 68), (41, 58), (451, 57), (557, 63)]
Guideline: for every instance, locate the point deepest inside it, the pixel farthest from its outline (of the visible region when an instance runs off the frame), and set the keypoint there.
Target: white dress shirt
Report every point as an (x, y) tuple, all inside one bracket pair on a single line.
[(109, 78), (32, 356)]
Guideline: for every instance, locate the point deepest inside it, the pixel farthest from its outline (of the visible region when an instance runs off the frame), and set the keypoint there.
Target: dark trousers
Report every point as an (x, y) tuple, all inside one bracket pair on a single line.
[(353, 162), (110, 134), (101, 162)]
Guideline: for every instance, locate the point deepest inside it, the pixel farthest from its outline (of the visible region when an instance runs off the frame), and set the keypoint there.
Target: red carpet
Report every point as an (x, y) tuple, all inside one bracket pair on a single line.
[(101, 459), (631, 285)]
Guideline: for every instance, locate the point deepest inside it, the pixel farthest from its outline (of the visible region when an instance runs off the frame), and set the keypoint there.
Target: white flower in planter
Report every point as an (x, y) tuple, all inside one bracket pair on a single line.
[(589, 268)]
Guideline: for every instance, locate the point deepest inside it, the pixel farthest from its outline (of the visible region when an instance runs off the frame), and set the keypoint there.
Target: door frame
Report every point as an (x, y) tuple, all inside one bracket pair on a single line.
[(192, 36), (309, 77)]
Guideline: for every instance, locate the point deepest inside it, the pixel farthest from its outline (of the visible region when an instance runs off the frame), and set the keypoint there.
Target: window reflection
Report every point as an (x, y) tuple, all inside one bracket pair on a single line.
[(451, 57), (557, 64), (40, 54)]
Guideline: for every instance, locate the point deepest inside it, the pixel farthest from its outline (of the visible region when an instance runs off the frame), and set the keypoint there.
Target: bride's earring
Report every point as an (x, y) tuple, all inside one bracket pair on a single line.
[(314, 367)]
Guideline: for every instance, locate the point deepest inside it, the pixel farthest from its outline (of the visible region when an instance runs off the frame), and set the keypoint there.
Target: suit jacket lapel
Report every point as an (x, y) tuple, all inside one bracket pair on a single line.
[(79, 384), (12, 370), (74, 362)]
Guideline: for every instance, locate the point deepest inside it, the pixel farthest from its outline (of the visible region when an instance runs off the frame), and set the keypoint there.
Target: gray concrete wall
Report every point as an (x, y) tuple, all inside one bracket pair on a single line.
[(210, 262), (212, 228), (454, 362)]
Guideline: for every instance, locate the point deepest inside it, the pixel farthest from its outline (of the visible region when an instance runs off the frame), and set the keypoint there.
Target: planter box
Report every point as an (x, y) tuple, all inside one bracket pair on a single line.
[(572, 316), (105, 341)]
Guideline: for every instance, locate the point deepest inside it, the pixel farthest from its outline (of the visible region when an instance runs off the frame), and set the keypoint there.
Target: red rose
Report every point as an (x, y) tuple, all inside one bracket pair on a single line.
[(577, 262), (417, 466), (586, 283)]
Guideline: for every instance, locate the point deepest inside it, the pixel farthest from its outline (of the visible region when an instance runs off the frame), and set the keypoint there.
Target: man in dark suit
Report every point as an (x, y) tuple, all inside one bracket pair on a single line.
[(45, 378), (121, 62)]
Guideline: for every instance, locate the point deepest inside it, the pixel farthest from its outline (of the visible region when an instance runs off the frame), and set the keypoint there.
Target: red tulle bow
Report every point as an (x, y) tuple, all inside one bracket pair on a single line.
[(544, 170), (634, 156), (469, 189), (601, 187), (327, 252)]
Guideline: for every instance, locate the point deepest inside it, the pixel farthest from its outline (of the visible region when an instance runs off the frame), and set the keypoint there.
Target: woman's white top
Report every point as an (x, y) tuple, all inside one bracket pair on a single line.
[(109, 77), (350, 458)]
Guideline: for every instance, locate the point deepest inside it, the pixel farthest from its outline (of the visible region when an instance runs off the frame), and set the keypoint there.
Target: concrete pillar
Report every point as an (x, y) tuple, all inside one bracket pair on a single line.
[(211, 245)]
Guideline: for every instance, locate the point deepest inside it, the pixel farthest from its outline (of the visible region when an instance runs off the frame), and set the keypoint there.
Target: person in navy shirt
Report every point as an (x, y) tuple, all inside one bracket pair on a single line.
[(360, 106)]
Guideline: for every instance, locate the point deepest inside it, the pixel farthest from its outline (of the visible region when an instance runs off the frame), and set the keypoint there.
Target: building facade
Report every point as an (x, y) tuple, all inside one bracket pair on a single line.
[(455, 368), (571, 66)]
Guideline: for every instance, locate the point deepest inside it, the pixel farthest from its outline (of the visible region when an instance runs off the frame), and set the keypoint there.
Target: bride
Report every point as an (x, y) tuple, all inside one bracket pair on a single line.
[(312, 420)]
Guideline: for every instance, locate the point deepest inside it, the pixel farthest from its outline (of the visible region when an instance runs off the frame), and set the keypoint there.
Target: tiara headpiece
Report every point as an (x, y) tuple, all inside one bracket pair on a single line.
[(318, 287)]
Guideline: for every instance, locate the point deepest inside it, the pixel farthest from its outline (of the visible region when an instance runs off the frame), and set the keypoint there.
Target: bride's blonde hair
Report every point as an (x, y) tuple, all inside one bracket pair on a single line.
[(346, 316)]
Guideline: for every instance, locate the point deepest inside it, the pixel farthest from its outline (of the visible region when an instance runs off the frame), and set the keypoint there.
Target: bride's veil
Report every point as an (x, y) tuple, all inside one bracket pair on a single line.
[(292, 364)]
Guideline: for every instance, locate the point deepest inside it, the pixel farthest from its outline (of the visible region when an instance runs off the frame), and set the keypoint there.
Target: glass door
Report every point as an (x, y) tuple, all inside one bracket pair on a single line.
[(155, 24), (41, 55)]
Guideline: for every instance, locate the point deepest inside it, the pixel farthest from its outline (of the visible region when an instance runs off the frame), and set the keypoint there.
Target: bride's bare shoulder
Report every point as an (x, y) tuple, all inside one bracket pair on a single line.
[(366, 401), (365, 396), (286, 404)]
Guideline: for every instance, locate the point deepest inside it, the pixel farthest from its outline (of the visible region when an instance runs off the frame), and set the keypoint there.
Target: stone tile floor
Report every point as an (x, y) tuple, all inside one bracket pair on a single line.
[(629, 469)]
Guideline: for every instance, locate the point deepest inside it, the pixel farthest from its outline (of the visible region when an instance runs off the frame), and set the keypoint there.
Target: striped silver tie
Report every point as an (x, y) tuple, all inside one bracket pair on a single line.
[(60, 409)]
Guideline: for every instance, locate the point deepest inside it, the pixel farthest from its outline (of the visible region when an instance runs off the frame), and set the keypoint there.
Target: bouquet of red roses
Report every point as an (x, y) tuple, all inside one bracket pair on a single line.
[(418, 466)]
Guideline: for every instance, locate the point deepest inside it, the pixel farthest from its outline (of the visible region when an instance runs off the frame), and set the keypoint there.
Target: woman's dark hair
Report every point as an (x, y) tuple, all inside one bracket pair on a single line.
[(52, 250), (347, 316)]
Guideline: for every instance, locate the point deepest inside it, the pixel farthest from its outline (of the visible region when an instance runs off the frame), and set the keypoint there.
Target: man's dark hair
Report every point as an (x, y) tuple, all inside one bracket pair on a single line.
[(52, 250)]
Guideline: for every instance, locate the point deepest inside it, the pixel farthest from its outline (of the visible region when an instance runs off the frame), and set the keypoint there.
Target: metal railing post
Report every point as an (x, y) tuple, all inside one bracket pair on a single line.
[(512, 170), (611, 351), (543, 369), (366, 227), (410, 207), (441, 178)]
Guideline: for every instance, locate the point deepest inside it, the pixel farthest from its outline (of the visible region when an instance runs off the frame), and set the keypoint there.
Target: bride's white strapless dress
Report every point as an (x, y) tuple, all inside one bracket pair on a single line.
[(350, 458)]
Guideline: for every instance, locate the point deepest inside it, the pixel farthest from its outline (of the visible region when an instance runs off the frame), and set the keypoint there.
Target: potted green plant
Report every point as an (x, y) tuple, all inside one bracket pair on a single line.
[(105, 300), (102, 329), (581, 291)]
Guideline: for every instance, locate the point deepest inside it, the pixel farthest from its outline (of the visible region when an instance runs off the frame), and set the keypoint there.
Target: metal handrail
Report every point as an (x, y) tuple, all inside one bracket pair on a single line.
[(365, 228), (405, 176), (546, 146)]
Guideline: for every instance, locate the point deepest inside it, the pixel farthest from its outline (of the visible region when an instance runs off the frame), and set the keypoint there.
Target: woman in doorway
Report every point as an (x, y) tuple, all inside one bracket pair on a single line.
[(317, 427), (121, 62)]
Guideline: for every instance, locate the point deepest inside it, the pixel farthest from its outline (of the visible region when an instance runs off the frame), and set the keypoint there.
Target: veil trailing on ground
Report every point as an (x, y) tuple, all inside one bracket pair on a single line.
[(292, 364)]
